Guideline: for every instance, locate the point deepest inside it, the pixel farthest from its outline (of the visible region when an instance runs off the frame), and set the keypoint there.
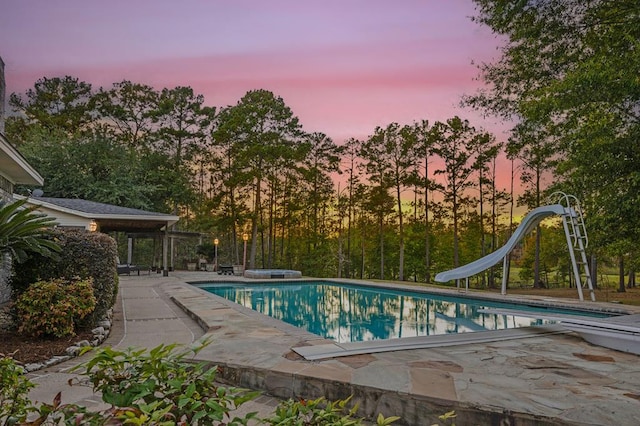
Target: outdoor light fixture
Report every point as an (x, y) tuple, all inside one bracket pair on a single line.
[(215, 245), (245, 237), (93, 226)]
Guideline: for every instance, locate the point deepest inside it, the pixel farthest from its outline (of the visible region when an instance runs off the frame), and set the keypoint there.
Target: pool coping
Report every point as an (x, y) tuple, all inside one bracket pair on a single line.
[(259, 352)]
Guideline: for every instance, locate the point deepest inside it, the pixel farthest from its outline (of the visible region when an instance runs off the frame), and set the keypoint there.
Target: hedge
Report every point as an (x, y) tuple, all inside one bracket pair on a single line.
[(84, 254)]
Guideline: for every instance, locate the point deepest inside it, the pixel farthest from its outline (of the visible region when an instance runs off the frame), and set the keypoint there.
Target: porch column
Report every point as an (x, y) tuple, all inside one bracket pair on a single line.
[(165, 250), (129, 250), (172, 254)]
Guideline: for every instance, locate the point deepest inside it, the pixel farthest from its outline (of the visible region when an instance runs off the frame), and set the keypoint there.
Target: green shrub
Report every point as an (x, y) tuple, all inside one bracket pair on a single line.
[(14, 391), (161, 384), (85, 255), (320, 412), (54, 308)]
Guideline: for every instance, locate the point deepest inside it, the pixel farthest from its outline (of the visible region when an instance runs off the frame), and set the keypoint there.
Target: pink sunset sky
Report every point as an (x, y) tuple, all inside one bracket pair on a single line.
[(343, 66)]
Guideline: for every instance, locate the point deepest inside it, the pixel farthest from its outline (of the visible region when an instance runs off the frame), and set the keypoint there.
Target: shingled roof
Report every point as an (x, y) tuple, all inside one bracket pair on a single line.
[(95, 208), (108, 217)]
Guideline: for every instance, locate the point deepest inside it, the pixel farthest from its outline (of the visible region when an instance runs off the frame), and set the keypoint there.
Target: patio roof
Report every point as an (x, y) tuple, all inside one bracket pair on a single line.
[(79, 212)]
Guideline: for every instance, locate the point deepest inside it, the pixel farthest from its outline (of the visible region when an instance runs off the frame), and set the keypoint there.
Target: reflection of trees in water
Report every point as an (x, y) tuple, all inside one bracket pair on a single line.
[(348, 313)]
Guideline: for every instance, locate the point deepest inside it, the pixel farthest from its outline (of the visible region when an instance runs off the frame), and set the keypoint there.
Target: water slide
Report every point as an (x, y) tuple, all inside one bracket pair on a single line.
[(530, 221)]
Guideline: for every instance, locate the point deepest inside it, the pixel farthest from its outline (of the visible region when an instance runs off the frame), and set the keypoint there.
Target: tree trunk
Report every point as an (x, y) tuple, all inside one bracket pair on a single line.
[(381, 247), (536, 267), (362, 237), (427, 248), (621, 288), (400, 219), (254, 226), (483, 276), (537, 283), (594, 271), (456, 260), (494, 203)]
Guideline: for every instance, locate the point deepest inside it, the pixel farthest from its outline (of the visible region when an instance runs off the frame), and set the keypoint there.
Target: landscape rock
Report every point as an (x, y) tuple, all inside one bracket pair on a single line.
[(73, 350), (98, 331), (33, 367)]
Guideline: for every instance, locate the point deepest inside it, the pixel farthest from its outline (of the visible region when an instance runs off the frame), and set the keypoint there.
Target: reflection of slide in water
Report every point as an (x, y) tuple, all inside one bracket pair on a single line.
[(530, 221)]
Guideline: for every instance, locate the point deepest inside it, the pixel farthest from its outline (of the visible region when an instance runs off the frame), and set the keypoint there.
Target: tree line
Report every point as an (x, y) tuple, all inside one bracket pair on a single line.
[(251, 168), (412, 198)]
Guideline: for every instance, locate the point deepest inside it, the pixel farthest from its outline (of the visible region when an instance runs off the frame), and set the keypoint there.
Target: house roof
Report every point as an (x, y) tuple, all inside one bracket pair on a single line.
[(14, 167), (109, 217)]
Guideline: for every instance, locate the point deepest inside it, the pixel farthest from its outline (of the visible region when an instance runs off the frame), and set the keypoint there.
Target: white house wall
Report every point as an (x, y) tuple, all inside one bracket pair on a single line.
[(65, 219)]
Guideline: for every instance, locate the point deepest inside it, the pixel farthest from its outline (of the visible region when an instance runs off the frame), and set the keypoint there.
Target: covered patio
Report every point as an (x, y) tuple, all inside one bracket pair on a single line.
[(93, 216)]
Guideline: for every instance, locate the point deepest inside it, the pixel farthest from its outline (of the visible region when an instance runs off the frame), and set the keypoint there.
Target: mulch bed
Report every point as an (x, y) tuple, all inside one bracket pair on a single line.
[(28, 350)]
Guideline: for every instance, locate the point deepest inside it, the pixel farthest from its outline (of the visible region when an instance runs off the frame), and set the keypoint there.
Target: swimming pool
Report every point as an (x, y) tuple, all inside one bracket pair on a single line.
[(357, 313)]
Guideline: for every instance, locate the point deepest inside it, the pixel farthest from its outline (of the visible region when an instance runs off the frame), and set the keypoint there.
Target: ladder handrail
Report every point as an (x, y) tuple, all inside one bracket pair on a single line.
[(574, 211)]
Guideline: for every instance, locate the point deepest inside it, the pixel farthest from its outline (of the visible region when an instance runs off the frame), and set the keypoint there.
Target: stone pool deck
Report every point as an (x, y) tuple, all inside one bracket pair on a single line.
[(543, 379)]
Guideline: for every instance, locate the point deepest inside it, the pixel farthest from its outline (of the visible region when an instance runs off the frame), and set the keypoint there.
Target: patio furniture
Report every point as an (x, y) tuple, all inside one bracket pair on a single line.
[(225, 270), (126, 268)]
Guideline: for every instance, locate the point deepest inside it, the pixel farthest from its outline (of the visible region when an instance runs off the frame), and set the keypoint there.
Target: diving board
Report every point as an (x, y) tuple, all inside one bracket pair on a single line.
[(621, 333)]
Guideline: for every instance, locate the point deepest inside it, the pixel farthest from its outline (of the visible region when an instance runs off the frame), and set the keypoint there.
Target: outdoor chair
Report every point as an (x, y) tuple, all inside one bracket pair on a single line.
[(127, 268), (225, 270)]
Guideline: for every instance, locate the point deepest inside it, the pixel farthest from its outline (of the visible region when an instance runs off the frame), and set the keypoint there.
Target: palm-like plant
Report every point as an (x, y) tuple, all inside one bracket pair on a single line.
[(22, 232)]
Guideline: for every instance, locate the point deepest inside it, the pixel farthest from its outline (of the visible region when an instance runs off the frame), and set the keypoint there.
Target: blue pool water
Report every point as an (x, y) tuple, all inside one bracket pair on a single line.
[(349, 313)]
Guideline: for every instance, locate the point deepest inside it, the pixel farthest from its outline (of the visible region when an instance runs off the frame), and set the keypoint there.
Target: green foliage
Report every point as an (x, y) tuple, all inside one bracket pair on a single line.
[(87, 255), (448, 416), (320, 412), (115, 174), (207, 250), (22, 231), (568, 76), (54, 308), (161, 384), (59, 103), (262, 146), (127, 109), (14, 390)]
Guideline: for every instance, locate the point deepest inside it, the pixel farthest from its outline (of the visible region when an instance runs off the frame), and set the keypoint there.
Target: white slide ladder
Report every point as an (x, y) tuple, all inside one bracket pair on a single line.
[(577, 241)]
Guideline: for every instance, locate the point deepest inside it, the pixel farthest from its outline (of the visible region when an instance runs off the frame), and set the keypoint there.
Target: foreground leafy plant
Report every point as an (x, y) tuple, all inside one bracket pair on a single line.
[(161, 385), (23, 231), (447, 416), (14, 388), (320, 412)]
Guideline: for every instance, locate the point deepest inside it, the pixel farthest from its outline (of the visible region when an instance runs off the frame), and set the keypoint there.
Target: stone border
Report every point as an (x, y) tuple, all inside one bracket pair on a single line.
[(100, 333)]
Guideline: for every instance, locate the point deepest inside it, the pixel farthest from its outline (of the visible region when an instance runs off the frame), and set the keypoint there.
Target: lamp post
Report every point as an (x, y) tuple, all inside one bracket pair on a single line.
[(215, 254), (93, 226), (245, 237)]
